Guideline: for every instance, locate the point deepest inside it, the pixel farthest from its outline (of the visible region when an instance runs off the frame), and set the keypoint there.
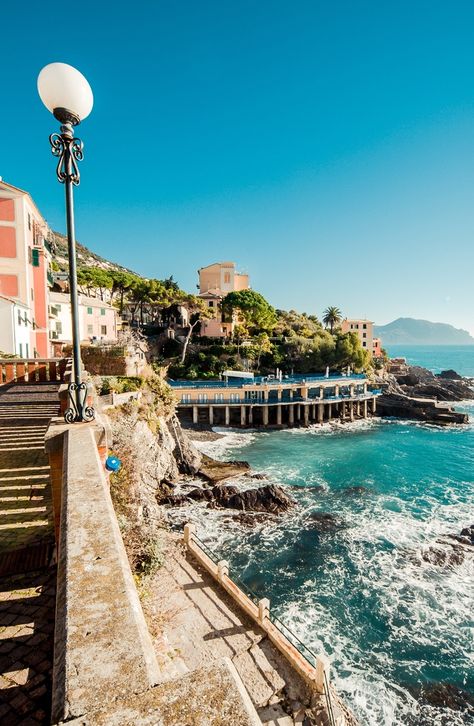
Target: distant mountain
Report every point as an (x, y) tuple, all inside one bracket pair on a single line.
[(408, 331), (85, 258)]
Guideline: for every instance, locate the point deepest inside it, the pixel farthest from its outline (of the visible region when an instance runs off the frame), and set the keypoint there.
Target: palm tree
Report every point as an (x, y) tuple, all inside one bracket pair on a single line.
[(332, 316)]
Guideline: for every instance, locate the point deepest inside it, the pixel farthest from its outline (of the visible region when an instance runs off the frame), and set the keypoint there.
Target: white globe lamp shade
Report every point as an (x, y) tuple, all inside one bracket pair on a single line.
[(65, 92)]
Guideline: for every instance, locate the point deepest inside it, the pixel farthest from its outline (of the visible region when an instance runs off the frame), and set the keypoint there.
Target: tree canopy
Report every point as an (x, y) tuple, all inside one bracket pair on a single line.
[(252, 309)]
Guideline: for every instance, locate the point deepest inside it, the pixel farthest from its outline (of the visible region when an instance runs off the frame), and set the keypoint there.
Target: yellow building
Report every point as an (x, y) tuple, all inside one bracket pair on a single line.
[(215, 282)]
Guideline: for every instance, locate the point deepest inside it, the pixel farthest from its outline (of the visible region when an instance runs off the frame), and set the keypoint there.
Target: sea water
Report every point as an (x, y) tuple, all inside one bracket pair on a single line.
[(359, 589)]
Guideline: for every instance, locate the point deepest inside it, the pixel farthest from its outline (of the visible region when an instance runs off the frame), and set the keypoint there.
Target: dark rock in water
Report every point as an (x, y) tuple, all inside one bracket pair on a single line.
[(356, 490), (216, 471), (258, 475), (448, 555), (450, 375), (199, 495), (445, 695), (324, 522), (250, 519), (270, 498), (469, 533)]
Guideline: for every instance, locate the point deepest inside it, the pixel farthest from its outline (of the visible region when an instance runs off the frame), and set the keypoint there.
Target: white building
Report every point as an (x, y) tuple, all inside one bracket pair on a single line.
[(97, 320), (15, 327)]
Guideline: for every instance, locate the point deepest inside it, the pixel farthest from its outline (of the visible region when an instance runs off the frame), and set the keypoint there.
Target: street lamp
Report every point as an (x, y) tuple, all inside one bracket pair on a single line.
[(67, 94)]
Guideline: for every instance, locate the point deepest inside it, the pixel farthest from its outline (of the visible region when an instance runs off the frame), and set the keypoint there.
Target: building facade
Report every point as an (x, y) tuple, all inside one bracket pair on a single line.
[(98, 321), (365, 332), (215, 282), (25, 274)]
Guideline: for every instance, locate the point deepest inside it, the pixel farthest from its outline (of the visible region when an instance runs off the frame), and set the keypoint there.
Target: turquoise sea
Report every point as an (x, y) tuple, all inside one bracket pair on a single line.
[(361, 591)]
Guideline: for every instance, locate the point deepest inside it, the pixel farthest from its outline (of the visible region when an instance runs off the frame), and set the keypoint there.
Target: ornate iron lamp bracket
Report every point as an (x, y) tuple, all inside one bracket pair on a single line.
[(69, 150), (78, 409)]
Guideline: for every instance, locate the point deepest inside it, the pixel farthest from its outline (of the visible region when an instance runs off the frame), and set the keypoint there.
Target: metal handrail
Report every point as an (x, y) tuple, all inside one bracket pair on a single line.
[(327, 693), (303, 649)]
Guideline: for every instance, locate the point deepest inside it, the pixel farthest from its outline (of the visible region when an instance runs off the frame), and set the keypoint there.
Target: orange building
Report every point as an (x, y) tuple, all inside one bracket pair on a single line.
[(365, 331), (215, 282), (25, 258)]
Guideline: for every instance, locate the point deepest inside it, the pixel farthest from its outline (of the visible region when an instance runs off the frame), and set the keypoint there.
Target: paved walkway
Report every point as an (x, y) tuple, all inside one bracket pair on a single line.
[(27, 578)]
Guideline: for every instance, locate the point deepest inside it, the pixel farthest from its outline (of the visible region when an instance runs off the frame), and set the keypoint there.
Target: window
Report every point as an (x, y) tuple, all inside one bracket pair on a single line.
[(364, 344), (59, 328), (364, 326), (364, 335), (89, 311), (90, 329), (29, 221), (35, 258), (234, 397), (21, 350), (58, 307), (202, 398), (219, 398), (32, 294), (226, 276), (103, 330), (186, 398), (25, 318), (19, 317), (356, 326), (27, 350), (102, 311), (211, 303)]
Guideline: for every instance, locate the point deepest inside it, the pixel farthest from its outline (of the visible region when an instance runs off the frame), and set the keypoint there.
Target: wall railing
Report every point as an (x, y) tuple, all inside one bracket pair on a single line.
[(31, 370), (313, 668)]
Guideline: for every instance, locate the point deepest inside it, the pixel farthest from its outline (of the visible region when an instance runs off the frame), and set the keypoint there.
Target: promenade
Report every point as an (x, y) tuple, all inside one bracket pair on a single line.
[(27, 574)]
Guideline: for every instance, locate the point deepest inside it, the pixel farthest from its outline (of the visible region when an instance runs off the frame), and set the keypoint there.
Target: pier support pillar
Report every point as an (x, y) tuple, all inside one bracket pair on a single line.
[(329, 411), (227, 416), (306, 415), (365, 408), (321, 412), (243, 418), (313, 415), (351, 410), (195, 414), (358, 408), (279, 415), (265, 415), (343, 410), (211, 415), (298, 412), (374, 404), (250, 415), (291, 415)]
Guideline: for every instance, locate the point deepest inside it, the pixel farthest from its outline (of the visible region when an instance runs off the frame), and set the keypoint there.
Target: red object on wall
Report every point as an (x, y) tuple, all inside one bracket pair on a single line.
[(7, 242), (7, 210), (9, 285)]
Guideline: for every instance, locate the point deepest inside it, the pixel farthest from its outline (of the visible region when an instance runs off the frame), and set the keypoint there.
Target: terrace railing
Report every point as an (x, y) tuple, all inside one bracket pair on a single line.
[(32, 370), (313, 668)]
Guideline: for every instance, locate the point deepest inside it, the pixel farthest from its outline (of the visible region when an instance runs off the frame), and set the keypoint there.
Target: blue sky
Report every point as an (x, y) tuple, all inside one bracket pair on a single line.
[(327, 148)]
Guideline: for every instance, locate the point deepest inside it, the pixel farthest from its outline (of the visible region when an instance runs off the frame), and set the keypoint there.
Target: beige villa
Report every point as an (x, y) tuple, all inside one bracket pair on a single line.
[(215, 282), (365, 332)]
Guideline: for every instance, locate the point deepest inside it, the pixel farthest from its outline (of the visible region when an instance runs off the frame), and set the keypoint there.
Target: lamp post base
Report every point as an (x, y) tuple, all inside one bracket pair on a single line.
[(78, 410)]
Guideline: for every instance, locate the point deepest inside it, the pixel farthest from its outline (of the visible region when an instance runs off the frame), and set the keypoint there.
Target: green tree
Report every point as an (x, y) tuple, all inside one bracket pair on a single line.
[(122, 282), (94, 278), (197, 312), (332, 316), (251, 308)]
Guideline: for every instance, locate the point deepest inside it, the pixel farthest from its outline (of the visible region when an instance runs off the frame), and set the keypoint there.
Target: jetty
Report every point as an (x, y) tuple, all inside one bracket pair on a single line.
[(267, 401)]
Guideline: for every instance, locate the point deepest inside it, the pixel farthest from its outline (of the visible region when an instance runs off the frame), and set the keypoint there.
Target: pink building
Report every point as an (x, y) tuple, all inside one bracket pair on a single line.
[(25, 259), (215, 282)]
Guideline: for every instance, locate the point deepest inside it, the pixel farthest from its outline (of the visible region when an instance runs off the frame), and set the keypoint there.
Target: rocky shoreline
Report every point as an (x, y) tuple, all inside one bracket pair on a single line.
[(416, 393)]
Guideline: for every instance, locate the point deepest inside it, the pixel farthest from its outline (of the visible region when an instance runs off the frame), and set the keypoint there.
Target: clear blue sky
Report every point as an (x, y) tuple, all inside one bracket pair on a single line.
[(326, 147)]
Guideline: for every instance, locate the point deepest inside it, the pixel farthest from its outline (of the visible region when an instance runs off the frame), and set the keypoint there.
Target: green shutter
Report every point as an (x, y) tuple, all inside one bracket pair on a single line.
[(35, 258)]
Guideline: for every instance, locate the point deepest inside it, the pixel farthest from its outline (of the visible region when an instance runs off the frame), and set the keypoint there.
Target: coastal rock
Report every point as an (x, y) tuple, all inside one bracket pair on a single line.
[(217, 471), (448, 551), (468, 532), (250, 519), (450, 375), (356, 491), (270, 498), (446, 695), (324, 521)]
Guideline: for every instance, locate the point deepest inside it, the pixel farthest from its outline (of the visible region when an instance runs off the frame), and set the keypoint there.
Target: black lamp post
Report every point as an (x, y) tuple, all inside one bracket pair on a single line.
[(67, 94)]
